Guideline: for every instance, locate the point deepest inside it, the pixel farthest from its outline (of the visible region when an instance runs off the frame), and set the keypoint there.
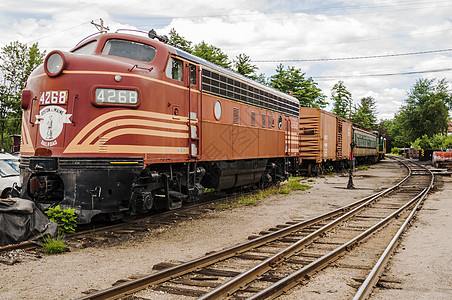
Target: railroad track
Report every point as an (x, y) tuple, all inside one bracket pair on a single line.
[(281, 258), (102, 234)]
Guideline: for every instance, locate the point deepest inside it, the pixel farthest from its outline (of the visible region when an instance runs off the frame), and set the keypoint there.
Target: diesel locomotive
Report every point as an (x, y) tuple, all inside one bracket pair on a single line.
[(125, 123)]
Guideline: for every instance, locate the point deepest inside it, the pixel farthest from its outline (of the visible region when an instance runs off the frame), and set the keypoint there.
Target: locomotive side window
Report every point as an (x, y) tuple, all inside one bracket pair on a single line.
[(192, 74), (217, 110), (174, 69), (129, 49), (87, 48)]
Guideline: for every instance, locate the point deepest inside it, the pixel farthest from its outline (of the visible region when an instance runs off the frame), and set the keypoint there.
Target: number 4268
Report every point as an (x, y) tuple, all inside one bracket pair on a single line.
[(53, 97)]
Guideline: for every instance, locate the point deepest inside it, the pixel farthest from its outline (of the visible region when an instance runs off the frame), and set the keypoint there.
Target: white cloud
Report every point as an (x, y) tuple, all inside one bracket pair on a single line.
[(267, 30)]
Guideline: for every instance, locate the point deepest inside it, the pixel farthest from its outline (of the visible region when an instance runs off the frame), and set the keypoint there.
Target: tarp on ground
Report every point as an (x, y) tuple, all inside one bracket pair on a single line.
[(21, 220)]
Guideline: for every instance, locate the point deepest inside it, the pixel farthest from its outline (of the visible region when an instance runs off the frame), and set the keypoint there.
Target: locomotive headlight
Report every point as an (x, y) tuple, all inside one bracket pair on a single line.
[(54, 63)]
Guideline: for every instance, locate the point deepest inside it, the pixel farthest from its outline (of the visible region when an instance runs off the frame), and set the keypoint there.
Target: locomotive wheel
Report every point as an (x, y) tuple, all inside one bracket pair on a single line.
[(148, 201)]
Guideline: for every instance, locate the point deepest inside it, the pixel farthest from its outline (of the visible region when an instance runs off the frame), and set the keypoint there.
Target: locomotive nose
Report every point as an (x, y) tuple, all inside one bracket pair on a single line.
[(54, 63)]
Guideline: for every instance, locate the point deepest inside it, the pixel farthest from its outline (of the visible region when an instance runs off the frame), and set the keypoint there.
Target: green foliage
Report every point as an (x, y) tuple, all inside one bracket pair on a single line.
[(437, 142), (17, 61), (422, 143), (65, 218), (293, 81), (395, 151), (426, 112), (54, 246), (342, 100), (203, 50), (365, 113), (212, 54), (180, 42), (242, 65)]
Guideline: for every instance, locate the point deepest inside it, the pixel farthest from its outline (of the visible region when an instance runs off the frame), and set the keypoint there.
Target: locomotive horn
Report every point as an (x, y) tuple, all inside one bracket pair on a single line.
[(162, 38)]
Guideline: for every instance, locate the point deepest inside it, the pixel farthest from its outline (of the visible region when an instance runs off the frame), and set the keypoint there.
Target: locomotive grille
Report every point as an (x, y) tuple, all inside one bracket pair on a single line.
[(227, 87)]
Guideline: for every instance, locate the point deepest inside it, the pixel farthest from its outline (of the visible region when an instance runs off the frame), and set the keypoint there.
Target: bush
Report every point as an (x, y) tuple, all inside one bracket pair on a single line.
[(395, 151), (65, 218), (54, 246)]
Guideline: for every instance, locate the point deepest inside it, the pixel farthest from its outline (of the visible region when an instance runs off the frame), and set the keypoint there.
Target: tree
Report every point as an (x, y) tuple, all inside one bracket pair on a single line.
[(365, 114), (203, 50), (17, 62), (180, 42), (436, 142), (426, 111), (242, 65), (292, 81), (342, 100), (212, 54)]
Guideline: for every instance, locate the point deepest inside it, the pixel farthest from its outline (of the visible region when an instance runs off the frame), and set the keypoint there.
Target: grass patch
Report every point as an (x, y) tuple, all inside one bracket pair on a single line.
[(284, 191), (54, 245), (363, 168), (293, 184), (296, 186), (249, 199)]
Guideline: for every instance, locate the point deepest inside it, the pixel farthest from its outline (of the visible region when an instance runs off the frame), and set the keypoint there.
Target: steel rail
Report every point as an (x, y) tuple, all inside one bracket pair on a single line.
[(172, 272), (294, 279), (27, 245), (246, 277), (374, 276)]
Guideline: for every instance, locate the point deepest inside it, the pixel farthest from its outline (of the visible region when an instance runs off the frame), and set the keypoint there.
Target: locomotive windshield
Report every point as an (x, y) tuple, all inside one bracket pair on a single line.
[(129, 49), (87, 48)]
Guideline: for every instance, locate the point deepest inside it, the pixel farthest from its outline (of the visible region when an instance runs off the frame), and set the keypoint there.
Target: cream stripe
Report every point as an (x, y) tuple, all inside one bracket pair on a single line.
[(128, 149), (141, 131), (127, 122), (123, 113)]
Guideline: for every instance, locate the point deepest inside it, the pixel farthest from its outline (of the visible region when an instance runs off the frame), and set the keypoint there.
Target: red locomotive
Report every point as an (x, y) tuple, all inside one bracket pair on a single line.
[(124, 124)]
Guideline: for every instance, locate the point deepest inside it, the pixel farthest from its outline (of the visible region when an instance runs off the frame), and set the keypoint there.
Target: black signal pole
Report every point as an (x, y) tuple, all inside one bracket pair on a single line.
[(350, 184)]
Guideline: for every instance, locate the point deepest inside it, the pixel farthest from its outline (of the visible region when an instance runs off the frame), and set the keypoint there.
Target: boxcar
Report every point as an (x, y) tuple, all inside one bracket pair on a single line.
[(324, 140)]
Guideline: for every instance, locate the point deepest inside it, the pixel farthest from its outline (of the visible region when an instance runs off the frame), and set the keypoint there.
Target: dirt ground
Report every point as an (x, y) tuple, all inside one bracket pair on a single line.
[(423, 262), (67, 275)]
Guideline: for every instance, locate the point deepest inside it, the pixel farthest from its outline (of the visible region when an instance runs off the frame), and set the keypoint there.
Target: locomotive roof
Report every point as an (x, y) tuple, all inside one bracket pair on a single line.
[(195, 59), (230, 73)]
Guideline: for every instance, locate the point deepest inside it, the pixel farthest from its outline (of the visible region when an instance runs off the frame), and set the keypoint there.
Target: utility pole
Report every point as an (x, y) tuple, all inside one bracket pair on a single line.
[(100, 26)]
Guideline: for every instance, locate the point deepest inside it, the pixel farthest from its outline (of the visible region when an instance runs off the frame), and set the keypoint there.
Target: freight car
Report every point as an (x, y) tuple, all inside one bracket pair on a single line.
[(125, 123), (325, 141)]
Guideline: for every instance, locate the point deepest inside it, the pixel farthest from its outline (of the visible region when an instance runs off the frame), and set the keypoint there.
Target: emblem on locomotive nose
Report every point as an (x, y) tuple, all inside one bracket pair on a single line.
[(51, 120)]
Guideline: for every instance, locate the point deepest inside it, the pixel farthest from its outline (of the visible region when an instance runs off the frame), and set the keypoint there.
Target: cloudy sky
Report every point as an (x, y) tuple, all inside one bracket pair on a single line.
[(378, 48)]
